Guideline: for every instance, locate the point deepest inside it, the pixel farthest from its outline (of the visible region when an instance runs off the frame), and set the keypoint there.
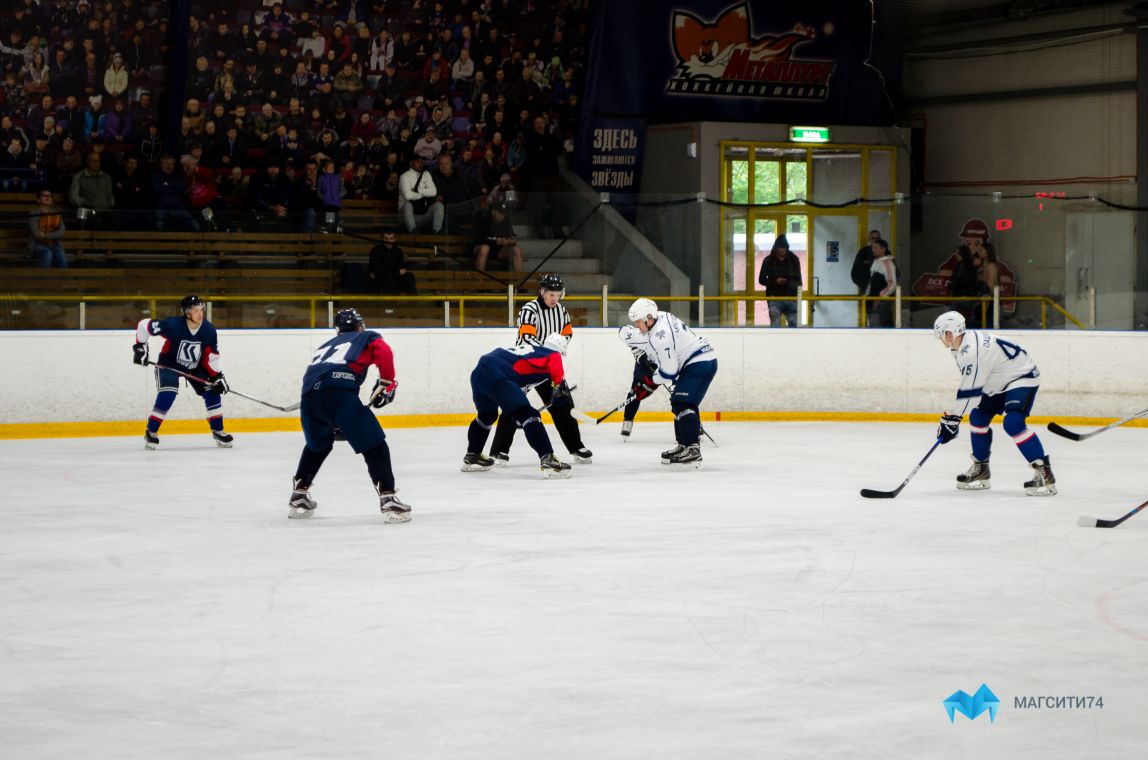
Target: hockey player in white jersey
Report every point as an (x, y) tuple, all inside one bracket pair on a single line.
[(686, 363), (997, 377), (644, 368)]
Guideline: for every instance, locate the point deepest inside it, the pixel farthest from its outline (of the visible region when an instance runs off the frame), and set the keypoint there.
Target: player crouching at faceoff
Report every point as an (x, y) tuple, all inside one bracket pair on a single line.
[(687, 365), (498, 382), (644, 369), (191, 346), (331, 400), (1005, 379)]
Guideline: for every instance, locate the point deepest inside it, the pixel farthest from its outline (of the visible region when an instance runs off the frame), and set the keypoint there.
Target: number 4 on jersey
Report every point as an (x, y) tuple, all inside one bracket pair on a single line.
[(1011, 350)]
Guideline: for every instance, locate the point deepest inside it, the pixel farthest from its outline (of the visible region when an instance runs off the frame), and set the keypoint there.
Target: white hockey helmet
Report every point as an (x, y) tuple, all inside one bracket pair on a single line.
[(642, 308), (556, 342), (949, 322)]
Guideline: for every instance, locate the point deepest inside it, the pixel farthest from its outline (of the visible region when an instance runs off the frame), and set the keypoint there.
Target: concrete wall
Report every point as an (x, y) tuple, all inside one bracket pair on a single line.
[(72, 376)]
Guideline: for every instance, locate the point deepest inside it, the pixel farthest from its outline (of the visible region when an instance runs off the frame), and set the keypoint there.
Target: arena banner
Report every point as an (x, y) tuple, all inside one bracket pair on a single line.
[(736, 60), (975, 235), (613, 162)]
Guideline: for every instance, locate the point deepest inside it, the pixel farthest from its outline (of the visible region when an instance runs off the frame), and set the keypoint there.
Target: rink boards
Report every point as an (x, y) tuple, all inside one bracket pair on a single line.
[(79, 383)]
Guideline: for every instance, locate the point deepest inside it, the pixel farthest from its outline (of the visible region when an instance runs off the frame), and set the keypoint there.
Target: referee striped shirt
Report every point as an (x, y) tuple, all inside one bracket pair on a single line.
[(536, 321)]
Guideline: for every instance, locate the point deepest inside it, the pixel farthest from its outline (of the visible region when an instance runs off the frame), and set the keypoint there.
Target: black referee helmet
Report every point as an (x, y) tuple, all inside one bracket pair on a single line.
[(551, 282)]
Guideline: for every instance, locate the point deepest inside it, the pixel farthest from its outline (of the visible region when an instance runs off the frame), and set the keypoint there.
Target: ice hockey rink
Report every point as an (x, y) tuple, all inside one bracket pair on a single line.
[(161, 604)]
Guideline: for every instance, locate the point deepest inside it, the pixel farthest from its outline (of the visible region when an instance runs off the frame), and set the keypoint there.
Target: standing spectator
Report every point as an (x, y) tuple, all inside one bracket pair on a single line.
[(781, 276), (883, 279), (418, 202), (118, 124), (92, 189), (116, 77), (169, 197), (94, 118), (454, 193), (387, 271), (963, 283), (133, 193), (331, 193), (863, 262), (270, 194), (46, 228), (306, 202)]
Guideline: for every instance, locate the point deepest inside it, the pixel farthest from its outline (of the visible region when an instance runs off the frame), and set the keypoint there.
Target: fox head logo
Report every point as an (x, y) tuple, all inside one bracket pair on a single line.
[(706, 48)]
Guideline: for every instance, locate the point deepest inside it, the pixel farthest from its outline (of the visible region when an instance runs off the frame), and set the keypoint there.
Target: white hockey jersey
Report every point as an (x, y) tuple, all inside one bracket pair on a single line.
[(675, 346), (638, 343), (989, 366)]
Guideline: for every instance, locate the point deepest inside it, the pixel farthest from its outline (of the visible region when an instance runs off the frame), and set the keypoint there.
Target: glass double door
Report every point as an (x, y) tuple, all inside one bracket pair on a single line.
[(752, 237)]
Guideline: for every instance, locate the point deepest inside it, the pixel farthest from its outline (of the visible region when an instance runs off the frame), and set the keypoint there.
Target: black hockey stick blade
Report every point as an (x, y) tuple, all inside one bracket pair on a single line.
[(869, 493), (1064, 432), (1095, 522)]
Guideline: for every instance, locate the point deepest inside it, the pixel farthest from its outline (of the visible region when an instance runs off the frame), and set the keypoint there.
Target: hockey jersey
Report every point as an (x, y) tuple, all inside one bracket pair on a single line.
[(525, 365), (675, 346), (194, 351), (638, 343), (342, 362), (989, 366)]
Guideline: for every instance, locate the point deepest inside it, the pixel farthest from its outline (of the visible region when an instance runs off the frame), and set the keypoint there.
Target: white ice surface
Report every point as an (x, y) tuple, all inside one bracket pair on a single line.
[(161, 605)]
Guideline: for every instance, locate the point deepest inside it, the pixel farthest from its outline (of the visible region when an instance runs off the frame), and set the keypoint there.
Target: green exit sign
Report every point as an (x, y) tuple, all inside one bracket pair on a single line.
[(809, 134)]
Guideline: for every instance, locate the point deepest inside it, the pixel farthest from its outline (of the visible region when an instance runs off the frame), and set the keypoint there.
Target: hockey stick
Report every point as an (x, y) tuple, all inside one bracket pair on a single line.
[(289, 408), (707, 435), (1093, 522), (869, 493), (604, 417), (1056, 428)]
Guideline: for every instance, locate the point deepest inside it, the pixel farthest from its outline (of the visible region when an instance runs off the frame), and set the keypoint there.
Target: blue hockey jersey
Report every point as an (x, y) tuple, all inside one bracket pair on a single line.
[(342, 361), (183, 348)]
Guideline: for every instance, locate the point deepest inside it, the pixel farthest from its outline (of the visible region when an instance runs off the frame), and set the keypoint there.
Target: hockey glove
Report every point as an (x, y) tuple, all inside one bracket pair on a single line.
[(643, 388), (218, 385), (949, 427), (383, 394), (648, 364), (140, 351), (561, 392)]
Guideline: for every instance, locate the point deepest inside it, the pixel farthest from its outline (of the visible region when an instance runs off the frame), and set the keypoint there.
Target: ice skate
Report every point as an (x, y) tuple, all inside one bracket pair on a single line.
[(222, 439), (627, 428), (476, 463), (499, 459), (671, 453), (394, 511), (301, 505), (151, 440), (976, 479), (553, 468), (690, 457), (1043, 482), (582, 456)]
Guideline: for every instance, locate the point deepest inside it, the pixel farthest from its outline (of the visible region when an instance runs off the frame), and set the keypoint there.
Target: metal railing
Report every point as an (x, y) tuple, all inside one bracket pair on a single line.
[(321, 308)]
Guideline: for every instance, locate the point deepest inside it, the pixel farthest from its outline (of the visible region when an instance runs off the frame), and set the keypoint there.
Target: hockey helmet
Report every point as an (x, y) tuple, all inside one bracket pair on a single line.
[(642, 309), (190, 302), (949, 322), (551, 282), (348, 320), (556, 342)]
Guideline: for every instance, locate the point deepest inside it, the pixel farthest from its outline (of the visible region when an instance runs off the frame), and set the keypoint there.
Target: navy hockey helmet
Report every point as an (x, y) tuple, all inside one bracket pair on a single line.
[(190, 302), (348, 320), (551, 282)]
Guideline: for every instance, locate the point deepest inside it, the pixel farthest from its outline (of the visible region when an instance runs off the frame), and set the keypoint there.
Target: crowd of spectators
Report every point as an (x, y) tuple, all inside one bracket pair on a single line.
[(291, 108)]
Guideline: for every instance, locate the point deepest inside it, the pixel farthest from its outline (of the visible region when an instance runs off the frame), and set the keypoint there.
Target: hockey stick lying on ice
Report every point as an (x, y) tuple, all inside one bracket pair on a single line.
[(1093, 522), (1056, 428), (869, 493), (181, 373)]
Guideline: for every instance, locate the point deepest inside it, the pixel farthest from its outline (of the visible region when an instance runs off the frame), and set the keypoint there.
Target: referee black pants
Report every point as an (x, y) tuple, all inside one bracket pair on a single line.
[(564, 422)]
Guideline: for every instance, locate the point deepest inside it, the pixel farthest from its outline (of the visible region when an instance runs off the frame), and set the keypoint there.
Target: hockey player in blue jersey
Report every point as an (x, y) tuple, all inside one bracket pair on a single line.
[(192, 347), (498, 382), (331, 400), (997, 377), (687, 362)]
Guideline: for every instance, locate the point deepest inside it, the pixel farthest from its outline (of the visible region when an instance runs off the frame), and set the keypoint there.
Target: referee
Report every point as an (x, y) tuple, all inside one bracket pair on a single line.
[(539, 318)]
